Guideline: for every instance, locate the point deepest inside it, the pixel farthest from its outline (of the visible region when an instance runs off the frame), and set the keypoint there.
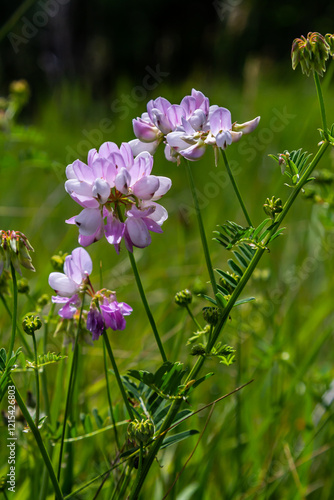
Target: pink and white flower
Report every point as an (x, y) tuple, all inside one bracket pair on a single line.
[(109, 187)]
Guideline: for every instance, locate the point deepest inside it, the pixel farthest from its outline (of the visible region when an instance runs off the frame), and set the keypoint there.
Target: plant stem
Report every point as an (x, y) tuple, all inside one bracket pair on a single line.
[(225, 314), (321, 102), (40, 443), (108, 395), (14, 315), (146, 306), (70, 390), (193, 317), (117, 375), (21, 334), (36, 378), (235, 187), (201, 228)]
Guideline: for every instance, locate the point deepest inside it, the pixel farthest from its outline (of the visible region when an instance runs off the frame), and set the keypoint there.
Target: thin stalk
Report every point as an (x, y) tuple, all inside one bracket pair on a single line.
[(21, 334), (14, 315), (108, 396), (193, 317), (225, 314), (140, 467), (69, 390), (40, 444), (235, 187), (146, 306), (201, 228), (321, 102), (117, 375), (143, 297), (36, 378)]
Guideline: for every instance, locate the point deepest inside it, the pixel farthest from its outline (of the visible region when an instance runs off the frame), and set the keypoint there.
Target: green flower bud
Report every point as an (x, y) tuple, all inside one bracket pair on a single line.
[(211, 315), (140, 431), (14, 249), (43, 300), (31, 323), (311, 52), (183, 297), (23, 285), (57, 261), (330, 40), (273, 206), (198, 350)]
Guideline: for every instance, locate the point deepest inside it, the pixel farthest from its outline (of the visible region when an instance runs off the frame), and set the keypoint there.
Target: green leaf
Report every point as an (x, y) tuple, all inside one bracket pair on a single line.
[(244, 301), (206, 297), (235, 268), (176, 438)]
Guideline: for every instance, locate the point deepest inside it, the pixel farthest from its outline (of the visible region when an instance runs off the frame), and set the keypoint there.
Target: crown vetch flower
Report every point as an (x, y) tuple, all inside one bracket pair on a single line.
[(187, 129), (112, 181), (105, 312), (71, 284)]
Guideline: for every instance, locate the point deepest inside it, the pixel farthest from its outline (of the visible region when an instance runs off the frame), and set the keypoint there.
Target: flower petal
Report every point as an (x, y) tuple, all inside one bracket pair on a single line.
[(62, 284), (146, 187), (88, 221), (138, 232)]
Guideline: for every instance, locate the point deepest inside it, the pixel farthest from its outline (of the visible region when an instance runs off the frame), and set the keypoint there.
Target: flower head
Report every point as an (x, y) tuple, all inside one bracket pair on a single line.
[(311, 52), (110, 188), (186, 129), (105, 312), (14, 249)]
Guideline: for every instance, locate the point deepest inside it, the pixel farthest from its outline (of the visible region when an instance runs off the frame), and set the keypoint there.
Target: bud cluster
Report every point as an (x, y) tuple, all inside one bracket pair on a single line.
[(14, 249), (183, 298), (312, 52), (273, 206), (140, 431), (211, 315), (31, 323)]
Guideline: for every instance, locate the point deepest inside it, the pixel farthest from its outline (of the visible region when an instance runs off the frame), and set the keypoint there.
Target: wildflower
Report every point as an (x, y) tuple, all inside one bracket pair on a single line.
[(187, 129), (311, 52), (105, 312), (14, 249), (71, 284), (118, 194)]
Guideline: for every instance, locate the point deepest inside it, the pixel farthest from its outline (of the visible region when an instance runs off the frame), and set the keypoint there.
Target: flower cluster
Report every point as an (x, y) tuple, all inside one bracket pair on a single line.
[(312, 52), (118, 195), (188, 128), (70, 286), (14, 249)]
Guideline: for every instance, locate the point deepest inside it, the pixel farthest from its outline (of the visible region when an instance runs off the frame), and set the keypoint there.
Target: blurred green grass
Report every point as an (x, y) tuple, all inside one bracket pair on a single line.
[(284, 340)]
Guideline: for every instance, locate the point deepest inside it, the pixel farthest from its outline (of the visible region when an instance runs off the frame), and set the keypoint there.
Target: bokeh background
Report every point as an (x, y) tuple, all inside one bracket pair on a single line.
[(91, 67)]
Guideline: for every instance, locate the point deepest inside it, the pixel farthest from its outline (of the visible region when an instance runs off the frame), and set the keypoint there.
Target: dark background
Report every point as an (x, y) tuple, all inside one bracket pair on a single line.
[(98, 42)]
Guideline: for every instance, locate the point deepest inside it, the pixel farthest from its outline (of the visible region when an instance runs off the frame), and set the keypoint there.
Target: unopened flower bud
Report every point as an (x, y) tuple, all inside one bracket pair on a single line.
[(23, 286), (31, 323), (183, 297), (211, 315), (197, 350), (140, 431), (14, 249), (273, 206), (330, 40), (57, 261), (43, 300), (311, 52)]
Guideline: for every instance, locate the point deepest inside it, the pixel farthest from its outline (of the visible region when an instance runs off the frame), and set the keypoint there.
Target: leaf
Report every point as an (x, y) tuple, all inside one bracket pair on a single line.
[(176, 438), (206, 297), (244, 301), (235, 268), (45, 359)]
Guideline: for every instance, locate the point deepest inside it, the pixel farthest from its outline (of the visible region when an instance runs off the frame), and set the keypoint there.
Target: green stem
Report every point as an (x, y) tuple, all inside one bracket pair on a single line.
[(225, 314), (69, 390), (321, 102), (14, 316), (235, 187), (21, 334), (193, 317), (146, 306), (201, 228), (40, 443), (108, 396), (36, 378), (117, 375)]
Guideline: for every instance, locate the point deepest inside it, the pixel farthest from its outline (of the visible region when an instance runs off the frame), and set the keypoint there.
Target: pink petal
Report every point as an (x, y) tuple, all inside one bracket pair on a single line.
[(146, 187)]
